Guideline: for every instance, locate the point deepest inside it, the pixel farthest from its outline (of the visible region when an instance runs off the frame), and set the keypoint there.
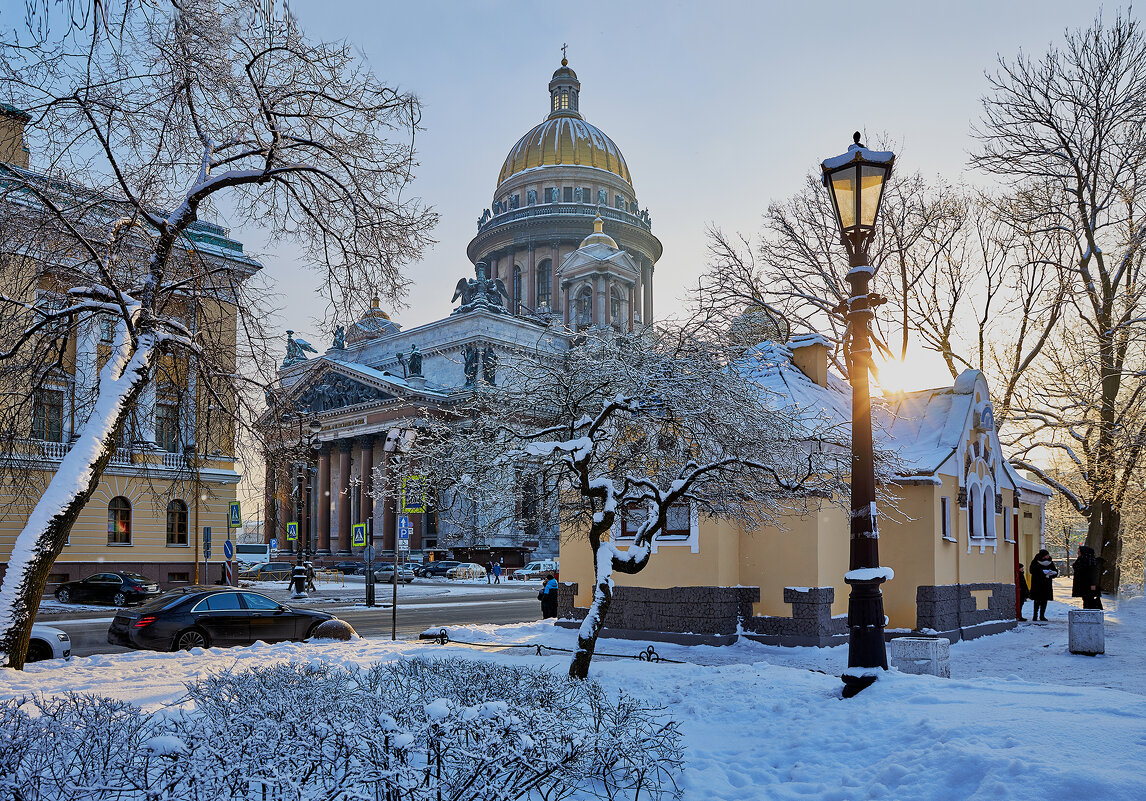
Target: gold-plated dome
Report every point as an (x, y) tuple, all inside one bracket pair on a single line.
[(599, 237), (567, 141)]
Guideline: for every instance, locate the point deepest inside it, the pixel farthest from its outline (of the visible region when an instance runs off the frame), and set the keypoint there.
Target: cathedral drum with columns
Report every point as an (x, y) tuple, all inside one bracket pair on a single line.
[(556, 180)]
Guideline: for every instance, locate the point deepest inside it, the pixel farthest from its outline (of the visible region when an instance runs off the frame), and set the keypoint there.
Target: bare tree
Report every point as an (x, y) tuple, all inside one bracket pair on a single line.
[(1072, 124), (633, 430), (189, 109)]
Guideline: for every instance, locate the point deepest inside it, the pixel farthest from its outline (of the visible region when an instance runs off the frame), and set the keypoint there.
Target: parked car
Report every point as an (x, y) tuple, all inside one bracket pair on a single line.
[(414, 567), (536, 570), (202, 617), (439, 568), (466, 570), (348, 568), (48, 642), (119, 588), (384, 574), (268, 571)]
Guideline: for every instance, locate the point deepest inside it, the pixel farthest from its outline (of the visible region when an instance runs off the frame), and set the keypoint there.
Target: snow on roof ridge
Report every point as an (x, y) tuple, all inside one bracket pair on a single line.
[(965, 383), (806, 339)]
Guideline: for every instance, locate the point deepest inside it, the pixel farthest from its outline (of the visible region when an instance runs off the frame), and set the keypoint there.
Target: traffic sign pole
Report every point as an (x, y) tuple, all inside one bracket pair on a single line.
[(206, 552)]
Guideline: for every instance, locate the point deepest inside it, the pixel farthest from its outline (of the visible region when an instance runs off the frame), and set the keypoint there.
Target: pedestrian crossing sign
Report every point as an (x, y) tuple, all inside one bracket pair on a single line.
[(414, 495), (292, 531), (359, 540)]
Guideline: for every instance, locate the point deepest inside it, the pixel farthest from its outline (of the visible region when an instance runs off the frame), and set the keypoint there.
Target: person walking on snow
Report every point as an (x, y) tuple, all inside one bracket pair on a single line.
[(1087, 573), (1042, 591), (1024, 592), (497, 572)]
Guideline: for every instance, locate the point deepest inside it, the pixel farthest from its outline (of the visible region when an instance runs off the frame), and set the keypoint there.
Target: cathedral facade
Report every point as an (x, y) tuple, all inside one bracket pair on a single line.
[(565, 247)]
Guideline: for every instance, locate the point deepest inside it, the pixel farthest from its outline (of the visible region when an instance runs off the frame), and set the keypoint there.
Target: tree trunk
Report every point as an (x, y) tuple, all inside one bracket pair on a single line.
[(46, 530), (590, 630)]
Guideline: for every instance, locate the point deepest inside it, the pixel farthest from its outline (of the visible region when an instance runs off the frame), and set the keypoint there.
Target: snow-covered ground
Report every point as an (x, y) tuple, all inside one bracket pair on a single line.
[(1021, 718)]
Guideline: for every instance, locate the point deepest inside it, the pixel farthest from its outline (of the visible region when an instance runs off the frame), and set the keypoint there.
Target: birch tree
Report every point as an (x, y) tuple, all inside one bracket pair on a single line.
[(1072, 125), (139, 134), (629, 429)]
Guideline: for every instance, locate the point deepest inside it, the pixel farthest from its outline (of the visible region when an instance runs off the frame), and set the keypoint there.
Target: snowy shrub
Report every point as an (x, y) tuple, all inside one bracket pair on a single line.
[(416, 730)]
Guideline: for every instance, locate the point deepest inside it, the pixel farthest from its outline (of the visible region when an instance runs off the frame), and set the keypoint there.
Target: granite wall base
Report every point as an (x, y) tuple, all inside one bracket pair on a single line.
[(951, 611)]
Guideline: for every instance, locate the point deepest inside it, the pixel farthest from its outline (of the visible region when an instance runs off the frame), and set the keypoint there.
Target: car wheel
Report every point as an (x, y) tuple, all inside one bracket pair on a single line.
[(310, 631), (64, 596), (38, 650), (120, 599), (192, 638)]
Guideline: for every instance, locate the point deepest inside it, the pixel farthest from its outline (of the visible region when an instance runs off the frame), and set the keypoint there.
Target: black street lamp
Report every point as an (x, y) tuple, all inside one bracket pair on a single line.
[(306, 444), (856, 181)]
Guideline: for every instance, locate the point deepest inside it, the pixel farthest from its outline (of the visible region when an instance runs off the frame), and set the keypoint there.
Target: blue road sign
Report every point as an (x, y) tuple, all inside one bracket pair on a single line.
[(292, 531), (404, 530), (234, 519), (359, 539), (228, 549), (274, 543)]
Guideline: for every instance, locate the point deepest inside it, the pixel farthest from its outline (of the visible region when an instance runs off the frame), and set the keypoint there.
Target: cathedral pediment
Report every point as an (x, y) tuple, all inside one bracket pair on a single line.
[(331, 390)]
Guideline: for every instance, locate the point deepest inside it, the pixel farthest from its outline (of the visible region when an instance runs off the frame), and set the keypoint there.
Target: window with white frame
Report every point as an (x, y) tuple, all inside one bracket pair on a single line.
[(1008, 533), (973, 506), (989, 513)]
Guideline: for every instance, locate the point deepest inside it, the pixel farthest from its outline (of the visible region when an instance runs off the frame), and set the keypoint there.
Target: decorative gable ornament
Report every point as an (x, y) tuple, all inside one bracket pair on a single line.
[(335, 391)]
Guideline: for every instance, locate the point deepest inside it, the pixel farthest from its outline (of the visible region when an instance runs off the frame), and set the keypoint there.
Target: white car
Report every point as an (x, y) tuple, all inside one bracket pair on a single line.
[(466, 570), (48, 642), (536, 570)]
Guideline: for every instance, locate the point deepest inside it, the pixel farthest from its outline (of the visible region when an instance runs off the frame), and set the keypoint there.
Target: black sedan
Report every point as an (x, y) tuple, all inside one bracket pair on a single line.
[(119, 588), (347, 568), (439, 568), (202, 617)]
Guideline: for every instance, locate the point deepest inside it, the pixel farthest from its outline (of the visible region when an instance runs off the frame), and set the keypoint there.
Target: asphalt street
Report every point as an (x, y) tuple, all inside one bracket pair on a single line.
[(88, 626)]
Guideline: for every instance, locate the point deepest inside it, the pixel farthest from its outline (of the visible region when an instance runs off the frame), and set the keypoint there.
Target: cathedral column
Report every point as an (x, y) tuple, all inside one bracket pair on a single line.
[(647, 282), (366, 486), (598, 311), (632, 290), (531, 282), (344, 447), (270, 508), (324, 500), (608, 295)]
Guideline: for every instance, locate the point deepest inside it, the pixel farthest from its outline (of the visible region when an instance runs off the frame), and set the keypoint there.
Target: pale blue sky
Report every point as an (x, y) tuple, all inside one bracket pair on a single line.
[(718, 107)]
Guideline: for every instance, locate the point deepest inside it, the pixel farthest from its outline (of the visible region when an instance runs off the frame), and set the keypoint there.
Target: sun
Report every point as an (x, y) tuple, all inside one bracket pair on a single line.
[(920, 370)]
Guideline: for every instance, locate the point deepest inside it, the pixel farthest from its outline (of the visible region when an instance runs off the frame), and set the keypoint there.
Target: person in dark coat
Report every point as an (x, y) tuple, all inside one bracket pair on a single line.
[(1087, 575), (1042, 591), (548, 597), (1024, 591)]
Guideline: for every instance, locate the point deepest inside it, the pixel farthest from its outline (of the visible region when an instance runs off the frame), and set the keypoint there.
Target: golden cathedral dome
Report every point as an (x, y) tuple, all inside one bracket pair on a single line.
[(565, 138)]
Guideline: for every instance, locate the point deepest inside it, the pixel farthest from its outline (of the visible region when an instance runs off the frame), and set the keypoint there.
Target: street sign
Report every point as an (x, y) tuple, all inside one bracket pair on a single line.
[(230, 573), (228, 549), (368, 554), (404, 531), (206, 542), (274, 543), (234, 520), (359, 538), (292, 531), (414, 494)]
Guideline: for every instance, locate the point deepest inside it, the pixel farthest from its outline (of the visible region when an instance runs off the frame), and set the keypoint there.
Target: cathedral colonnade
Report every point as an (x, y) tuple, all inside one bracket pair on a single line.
[(341, 478)]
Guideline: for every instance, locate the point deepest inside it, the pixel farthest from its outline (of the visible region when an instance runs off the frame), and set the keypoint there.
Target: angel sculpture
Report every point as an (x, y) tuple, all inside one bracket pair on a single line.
[(481, 292), (297, 348)]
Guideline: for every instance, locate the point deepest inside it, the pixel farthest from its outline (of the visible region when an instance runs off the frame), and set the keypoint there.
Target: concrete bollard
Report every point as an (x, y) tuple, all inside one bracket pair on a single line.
[(922, 656), (1086, 631)]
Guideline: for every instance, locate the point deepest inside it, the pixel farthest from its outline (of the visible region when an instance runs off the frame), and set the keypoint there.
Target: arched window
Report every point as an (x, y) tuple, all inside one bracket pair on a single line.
[(119, 521), (583, 308), (516, 289), (544, 284), (989, 512), (973, 506), (176, 523), (617, 307)]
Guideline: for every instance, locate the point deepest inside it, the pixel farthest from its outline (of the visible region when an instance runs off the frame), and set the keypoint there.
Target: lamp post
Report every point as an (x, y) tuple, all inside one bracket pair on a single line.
[(306, 443), (855, 181)]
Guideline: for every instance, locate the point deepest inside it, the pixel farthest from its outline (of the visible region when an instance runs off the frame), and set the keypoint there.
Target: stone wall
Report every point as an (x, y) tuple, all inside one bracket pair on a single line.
[(951, 611), (811, 622)]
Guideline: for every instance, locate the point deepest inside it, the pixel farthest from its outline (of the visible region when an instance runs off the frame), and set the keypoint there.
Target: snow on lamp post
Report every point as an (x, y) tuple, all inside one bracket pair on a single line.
[(855, 182)]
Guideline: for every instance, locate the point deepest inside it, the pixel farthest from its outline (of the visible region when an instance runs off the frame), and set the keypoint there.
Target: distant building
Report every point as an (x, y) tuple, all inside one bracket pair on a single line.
[(174, 471), (565, 248)]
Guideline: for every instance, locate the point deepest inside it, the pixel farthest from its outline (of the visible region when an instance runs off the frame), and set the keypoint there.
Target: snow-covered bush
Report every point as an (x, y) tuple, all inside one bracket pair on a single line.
[(409, 730)]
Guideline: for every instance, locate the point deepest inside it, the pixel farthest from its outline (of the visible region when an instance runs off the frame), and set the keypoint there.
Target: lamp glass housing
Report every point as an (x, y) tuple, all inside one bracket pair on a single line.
[(855, 182)]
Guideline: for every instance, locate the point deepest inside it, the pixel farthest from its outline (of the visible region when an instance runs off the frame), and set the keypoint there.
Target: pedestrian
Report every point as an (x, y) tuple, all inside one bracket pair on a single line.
[(1087, 575), (310, 578), (497, 572), (489, 574), (1042, 590), (1024, 591), (548, 597)]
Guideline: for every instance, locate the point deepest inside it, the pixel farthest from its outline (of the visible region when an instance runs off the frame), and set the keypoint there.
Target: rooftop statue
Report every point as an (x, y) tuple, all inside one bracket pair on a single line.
[(481, 293), (296, 350)]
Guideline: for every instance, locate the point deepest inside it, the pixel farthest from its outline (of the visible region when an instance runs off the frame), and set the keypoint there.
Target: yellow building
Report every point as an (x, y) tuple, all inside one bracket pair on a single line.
[(174, 472), (957, 522)]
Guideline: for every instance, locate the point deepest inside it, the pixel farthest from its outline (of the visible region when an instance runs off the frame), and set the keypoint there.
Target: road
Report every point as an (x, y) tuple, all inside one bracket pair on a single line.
[(88, 629)]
